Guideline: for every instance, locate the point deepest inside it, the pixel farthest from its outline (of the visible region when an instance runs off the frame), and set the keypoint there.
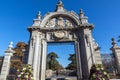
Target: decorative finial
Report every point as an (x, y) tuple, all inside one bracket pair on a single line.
[(113, 39), (81, 13), (39, 15), (83, 18), (60, 6), (113, 42), (59, 1), (10, 45)]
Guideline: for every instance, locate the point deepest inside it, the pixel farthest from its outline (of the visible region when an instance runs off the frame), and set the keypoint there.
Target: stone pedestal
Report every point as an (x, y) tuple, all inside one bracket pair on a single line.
[(53, 79), (67, 79), (116, 52), (6, 63)]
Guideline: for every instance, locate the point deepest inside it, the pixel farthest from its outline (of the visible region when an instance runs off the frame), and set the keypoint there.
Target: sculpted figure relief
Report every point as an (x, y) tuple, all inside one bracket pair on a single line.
[(51, 23), (68, 23), (60, 22)]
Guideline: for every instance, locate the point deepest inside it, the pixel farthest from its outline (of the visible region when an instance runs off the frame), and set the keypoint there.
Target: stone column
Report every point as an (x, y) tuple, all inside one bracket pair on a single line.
[(35, 58), (31, 49), (86, 50), (43, 59), (78, 60), (83, 54), (116, 52), (6, 63), (39, 59), (34, 53)]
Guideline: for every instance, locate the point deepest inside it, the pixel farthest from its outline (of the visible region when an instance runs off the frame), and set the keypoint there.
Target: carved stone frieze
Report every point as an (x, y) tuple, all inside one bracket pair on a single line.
[(51, 23), (59, 22)]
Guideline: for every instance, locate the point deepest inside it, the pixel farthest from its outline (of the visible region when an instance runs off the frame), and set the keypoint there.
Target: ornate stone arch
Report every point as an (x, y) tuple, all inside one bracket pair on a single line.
[(48, 16), (80, 32)]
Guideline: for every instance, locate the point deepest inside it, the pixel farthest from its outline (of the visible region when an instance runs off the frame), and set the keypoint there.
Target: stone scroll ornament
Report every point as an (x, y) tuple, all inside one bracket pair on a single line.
[(59, 34), (87, 39)]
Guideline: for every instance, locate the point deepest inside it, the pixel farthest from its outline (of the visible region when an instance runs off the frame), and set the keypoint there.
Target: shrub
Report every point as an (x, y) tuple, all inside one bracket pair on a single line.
[(25, 73), (98, 72)]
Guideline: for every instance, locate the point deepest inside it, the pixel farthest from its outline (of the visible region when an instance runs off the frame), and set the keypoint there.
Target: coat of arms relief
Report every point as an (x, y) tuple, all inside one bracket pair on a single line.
[(59, 22)]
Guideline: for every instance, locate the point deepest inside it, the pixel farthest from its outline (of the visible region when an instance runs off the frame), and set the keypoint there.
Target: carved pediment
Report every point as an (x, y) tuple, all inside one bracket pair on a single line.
[(59, 22)]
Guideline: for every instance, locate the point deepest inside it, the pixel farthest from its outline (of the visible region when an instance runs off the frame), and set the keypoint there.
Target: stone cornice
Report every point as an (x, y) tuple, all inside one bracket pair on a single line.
[(81, 26), (114, 47), (84, 26)]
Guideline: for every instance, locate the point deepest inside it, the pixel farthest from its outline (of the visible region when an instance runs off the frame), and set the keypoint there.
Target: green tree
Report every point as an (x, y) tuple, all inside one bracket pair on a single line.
[(72, 65), (52, 62)]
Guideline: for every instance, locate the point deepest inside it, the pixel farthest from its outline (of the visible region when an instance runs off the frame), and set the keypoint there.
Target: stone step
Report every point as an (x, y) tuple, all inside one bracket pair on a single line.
[(60, 78)]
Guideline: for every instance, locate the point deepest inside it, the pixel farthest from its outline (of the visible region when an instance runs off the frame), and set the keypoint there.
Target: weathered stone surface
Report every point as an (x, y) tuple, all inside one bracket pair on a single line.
[(48, 73), (116, 52), (6, 63), (53, 79), (61, 26)]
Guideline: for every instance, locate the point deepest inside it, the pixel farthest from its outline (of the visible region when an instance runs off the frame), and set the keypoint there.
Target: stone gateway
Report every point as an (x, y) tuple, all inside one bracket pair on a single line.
[(62, 26), (59, 26)]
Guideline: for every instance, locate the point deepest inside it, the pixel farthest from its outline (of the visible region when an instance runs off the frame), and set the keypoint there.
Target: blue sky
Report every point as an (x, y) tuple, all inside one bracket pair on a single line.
[(62, 50), (17, 15)]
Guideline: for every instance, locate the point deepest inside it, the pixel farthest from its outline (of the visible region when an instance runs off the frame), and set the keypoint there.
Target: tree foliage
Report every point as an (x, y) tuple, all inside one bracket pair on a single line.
[(20, 46), (72, 65), (16, 64), (52, 62), (16, 60)]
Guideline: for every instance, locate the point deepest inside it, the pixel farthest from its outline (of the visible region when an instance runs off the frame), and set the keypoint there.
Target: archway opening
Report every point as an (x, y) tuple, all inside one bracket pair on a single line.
[(61, 60)]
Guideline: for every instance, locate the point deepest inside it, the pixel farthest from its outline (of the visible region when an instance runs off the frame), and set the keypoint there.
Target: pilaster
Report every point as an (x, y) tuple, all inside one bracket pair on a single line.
[(35, 57), (78, 60), (43, 59), (6, 62), (86, 50), (116, 52), (34, 53)]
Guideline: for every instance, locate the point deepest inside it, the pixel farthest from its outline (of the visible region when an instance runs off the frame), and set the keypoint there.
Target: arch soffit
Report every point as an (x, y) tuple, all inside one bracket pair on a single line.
[(55, 14)]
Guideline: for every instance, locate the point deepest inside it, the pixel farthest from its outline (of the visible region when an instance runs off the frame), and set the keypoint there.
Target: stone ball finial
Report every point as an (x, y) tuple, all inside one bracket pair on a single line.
[(113, 39), (10, 45), (81, 13), (113, 42), (60, 6), (59, 3), (39, 15)]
